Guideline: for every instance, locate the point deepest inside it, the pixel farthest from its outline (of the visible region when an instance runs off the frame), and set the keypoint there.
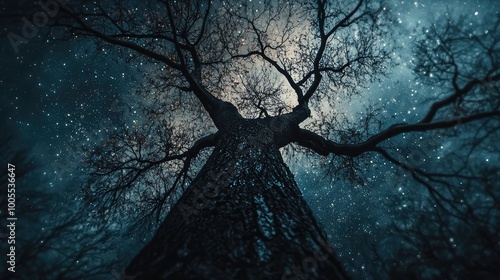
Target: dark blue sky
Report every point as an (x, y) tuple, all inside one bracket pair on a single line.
[(55, 94)]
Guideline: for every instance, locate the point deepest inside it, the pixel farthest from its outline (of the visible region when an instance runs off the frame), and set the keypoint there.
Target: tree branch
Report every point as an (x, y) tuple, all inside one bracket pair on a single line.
[(459, 93), (113, 179), (126, 44), (324, 146), (209, 102), (324, 35)]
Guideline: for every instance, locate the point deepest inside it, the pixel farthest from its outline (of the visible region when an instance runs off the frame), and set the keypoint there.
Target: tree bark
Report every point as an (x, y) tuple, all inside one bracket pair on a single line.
[(243, 217)]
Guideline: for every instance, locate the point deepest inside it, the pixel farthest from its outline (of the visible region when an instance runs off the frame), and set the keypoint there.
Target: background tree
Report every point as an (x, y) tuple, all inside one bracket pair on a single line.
[(450, 231), (66, 245)]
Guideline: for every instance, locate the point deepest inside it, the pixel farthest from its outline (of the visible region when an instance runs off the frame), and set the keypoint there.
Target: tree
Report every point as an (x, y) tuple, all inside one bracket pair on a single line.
[(450, 231), (248, 79), (52, 240)]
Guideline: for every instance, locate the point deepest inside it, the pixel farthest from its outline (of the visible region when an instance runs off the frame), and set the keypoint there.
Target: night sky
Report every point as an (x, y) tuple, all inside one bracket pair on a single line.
[(59, 96)]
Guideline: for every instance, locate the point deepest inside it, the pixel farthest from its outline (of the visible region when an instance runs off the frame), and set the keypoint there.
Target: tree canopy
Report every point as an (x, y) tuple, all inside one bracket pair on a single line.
[(294, 60)]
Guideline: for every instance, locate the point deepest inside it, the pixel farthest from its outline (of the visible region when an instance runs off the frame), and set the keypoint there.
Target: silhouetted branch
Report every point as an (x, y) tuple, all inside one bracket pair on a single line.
[(324, 146), (85, 24), (126, 173)]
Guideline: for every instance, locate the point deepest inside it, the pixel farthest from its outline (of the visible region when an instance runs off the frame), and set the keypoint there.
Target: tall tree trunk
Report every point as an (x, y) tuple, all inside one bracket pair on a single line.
[(242, 218)]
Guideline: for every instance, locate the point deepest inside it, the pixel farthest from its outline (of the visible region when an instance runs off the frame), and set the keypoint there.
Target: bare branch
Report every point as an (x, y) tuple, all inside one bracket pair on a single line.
[(459, 93), (123, 168), (324, 146), (122, 38)]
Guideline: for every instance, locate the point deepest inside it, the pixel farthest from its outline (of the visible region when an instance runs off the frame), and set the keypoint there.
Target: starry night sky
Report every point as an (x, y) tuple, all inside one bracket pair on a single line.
[(59, 96)]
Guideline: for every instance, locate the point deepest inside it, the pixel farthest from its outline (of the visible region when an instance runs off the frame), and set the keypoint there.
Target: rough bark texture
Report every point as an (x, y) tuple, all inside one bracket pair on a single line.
[(242, 218)]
